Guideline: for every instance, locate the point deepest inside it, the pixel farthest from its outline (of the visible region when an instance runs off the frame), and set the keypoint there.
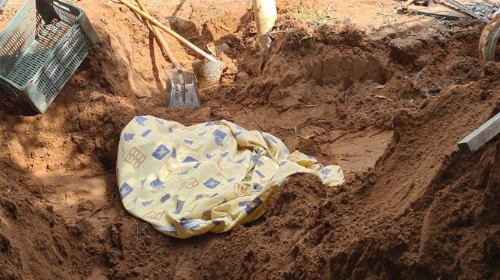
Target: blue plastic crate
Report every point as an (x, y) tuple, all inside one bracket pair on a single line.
[(40, 49)]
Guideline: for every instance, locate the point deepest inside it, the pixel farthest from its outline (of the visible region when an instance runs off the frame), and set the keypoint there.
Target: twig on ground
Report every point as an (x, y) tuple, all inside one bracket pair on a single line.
[(295, 132), (95, 210), (139, 235), (248, 113)]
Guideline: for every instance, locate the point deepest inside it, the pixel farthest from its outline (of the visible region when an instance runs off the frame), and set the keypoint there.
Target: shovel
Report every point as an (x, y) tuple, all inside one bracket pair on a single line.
[(181, 83), (207, 72)]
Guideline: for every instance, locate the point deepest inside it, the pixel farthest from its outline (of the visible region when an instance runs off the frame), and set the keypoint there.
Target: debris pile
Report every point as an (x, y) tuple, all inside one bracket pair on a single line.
[(484, 9)]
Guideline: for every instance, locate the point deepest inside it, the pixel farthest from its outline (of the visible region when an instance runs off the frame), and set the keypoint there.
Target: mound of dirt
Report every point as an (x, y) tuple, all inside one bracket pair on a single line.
[(388, 107)]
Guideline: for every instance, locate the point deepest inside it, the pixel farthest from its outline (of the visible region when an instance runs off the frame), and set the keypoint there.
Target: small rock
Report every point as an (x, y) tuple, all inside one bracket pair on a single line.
[(85, 206), (39, 153)]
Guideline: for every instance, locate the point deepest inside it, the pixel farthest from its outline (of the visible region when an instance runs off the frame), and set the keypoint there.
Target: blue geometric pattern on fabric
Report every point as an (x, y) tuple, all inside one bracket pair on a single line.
[(146, 133), (125, 190), (240, 161), (205, 213), (211, 183), (143, 181), (140, 120), (325, 171), (128, 136), (218, 142), (161, 152), (189, 142), (160, 122), (212, 123), (165, 198), (157, 184), (256, 202), (209, 156), (170, 129), (271, 139), (260, 163), (146, 203), (244, 203), (255, 158), (183, 173), (189, 159), (219, 137), (230, 180), (224, 154), (197, 165), (180, 204), (174, 153), (199, 196), (260, 174), (216, 222), (190, 224), (237, 133), (257, 188), (202, 133), (214, 195)]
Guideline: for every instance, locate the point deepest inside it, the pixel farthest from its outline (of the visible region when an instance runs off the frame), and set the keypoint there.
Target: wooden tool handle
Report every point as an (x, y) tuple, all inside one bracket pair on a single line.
[(406, 4), (169, 31), (265, 18), (159, 37)]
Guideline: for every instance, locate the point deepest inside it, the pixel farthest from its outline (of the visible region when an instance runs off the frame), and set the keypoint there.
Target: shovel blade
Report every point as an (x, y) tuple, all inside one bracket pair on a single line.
[(207, 72), (182, 92)]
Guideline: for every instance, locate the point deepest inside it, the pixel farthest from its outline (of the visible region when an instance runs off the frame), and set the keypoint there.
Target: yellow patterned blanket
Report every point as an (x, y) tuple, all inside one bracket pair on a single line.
[(212, 176)]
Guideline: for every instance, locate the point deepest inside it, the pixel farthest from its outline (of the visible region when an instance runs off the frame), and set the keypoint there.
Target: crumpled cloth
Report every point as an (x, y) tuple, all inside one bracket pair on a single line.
[(214, 176)]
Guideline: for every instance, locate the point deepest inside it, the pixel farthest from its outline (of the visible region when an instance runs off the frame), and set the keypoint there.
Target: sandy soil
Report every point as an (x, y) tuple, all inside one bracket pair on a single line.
[(387, 97)]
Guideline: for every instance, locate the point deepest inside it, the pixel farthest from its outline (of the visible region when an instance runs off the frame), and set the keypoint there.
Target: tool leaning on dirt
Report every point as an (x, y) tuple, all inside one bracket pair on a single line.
[(181, 83), (207, 72), (209, 177)]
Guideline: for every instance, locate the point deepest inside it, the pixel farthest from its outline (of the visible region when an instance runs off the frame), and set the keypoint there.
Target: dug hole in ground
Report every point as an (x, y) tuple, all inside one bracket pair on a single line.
[(386, 97)]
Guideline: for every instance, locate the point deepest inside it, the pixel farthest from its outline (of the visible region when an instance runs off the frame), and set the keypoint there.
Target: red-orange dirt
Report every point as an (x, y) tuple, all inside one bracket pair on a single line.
[(387, 97)]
